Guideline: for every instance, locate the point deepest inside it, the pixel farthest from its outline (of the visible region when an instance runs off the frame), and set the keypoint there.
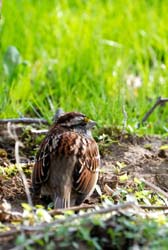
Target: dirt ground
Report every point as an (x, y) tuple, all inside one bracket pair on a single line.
[(142, 157), (135, 156)]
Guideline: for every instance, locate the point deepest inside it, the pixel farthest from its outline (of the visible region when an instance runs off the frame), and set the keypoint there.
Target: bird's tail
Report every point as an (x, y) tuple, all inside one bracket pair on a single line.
[(61, 202)]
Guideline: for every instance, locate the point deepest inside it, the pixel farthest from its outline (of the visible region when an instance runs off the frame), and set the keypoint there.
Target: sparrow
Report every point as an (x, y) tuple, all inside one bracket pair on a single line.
[(68, 161)]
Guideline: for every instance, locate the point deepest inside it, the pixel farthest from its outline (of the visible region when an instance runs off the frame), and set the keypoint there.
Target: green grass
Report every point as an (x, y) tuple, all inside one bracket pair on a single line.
[(79, 55)]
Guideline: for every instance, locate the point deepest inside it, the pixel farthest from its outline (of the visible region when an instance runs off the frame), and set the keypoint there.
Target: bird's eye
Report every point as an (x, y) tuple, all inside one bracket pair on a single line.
[(86, 119)]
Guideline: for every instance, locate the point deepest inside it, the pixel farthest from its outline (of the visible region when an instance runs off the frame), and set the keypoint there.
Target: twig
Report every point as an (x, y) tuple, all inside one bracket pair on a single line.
[(58, 114), (79, 208), (100, 210), (9, 233), (96, 212), (75, 209), (108, 189), (17, 157), (158, 102), (39, 131), (24, 120), (154, 207), (155, 188), (125, 117)]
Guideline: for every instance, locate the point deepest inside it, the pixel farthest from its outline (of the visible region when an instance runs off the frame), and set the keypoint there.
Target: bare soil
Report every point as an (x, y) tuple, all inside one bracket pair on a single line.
[(142, 157), (139, 156), (120, 154)]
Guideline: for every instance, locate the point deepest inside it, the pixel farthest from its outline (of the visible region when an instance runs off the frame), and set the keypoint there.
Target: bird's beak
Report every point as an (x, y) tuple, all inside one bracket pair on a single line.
[(91, 124)]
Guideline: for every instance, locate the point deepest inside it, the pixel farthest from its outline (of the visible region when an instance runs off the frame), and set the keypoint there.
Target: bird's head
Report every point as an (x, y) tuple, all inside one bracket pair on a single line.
[(76, 121)]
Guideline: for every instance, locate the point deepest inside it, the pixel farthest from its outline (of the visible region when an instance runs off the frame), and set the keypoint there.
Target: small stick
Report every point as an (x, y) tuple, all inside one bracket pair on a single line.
[(75, 209), (154, 207), (71, 218), (24, 120), (58, 114), (78, 208), (86, 215), (155, 188), (11, 232), (17, 157), (39, 132), (158, 102), (108, 190), (125, 118)]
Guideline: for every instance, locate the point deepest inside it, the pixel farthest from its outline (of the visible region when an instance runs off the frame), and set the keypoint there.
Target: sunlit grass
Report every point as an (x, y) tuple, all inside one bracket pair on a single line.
[(86, 55)]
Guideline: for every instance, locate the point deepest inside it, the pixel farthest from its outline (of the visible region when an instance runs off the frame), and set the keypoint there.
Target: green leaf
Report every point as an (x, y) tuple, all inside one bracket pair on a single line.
[(20, 240), (11, 60), (27, 207), (164, 147)]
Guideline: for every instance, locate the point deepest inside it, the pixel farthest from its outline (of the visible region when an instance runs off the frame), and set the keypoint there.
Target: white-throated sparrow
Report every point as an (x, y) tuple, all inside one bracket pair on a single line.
[(68, 161)]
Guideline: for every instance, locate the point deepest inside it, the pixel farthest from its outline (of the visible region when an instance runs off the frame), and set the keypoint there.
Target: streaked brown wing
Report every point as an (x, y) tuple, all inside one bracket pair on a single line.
[(86, 168), (54, 145), (41, 167)]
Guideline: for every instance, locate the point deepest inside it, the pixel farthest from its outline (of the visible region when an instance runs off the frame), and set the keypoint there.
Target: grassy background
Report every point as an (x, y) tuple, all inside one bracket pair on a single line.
[(87, 56)]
